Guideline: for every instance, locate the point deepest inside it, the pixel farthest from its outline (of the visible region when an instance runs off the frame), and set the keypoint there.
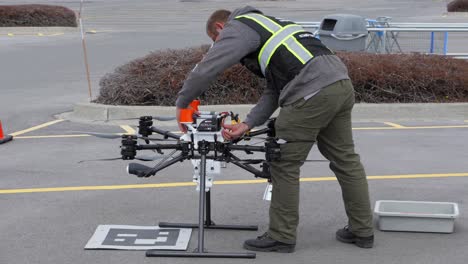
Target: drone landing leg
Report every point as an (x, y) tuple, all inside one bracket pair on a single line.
[(209, 224), (200, 252)]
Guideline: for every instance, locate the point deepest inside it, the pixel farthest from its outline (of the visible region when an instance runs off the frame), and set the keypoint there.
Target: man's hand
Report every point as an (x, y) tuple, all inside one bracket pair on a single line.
[(182, 127), (231, 132)]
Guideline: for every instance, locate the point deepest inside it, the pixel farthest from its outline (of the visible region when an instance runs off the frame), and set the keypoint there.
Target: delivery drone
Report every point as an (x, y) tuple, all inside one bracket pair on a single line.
[(208, 151)]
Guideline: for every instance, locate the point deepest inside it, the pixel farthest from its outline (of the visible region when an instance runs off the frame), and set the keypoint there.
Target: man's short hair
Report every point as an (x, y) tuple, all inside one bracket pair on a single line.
[(220, 15)]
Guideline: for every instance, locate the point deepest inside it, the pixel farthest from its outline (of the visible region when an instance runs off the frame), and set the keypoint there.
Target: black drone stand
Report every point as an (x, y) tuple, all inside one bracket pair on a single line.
[(209, 224), (204, 206)]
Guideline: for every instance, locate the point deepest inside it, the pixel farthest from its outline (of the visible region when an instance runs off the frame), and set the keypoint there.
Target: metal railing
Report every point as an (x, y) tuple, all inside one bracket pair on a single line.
[(391, 37)]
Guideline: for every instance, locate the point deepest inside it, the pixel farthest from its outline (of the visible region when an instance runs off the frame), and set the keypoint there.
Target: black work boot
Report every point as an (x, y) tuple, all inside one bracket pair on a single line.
[(265, 243), (345, 236)]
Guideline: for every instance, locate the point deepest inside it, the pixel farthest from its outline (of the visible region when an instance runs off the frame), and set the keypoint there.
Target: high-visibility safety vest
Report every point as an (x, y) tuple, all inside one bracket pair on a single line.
[(284, 49)]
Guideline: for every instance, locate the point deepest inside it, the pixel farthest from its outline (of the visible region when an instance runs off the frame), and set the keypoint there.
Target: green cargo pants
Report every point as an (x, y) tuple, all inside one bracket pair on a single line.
[(326, 119)]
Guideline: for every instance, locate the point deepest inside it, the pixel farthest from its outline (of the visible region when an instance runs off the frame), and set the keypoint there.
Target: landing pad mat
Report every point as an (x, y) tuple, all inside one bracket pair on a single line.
[(128, 237)]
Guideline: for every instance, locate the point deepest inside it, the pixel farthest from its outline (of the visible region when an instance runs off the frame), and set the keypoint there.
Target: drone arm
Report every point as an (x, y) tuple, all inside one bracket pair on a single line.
[(160, 146), (250, 169), (247, 148), (257, 132), (166, 134), (236, 161), (145, 171), (166, 164)]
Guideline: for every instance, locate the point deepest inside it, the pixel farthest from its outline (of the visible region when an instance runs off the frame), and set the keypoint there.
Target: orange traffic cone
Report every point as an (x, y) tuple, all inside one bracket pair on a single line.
[(4, 138)]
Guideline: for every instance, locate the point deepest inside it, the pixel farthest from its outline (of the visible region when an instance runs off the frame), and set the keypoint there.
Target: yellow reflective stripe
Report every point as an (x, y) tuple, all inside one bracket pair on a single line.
[(272, 51), (271, 20), (294, 53), (264, 21), (259, 22), (302, 46), (297, 49), (262, 50), (276, 47), (271, 45)]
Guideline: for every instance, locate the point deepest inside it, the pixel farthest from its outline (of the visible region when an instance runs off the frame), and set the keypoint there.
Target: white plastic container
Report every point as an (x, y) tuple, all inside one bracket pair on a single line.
[(416, 216)]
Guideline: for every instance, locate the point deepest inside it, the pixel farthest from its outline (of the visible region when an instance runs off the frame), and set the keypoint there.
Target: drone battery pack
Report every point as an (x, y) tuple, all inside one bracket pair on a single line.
[(208, 123)]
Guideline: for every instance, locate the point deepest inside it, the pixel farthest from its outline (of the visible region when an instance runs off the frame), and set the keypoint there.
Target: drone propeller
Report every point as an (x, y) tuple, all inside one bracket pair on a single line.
[(152, 158), (141, 158), (157, 118), (259, 161), (101, 135), (110, 159), (115, 136)]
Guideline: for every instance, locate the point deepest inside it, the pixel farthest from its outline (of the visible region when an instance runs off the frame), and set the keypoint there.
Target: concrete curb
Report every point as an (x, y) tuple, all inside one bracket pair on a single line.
[(11, 31), (110, 114)]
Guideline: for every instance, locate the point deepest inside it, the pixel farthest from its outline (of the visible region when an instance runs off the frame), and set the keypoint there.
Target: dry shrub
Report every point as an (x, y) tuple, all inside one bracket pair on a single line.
[(458, 6), (407, 78), (157, 78), (36, 16)]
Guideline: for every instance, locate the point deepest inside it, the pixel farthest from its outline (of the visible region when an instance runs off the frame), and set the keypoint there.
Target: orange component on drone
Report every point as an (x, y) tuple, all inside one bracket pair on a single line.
[(186, 114)]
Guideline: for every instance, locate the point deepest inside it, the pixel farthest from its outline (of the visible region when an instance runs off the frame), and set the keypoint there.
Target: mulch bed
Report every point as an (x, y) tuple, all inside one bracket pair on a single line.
[(395, 78), (458, 6), (36, 16)]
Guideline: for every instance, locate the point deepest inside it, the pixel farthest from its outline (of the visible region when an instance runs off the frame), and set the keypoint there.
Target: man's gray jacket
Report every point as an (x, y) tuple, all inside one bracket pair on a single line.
[(238, 40)]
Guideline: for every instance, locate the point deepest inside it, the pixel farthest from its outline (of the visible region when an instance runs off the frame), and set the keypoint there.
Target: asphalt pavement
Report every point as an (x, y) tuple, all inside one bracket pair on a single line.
[(51, 204)]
